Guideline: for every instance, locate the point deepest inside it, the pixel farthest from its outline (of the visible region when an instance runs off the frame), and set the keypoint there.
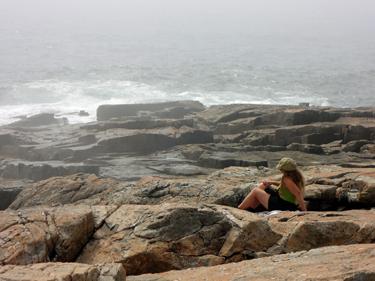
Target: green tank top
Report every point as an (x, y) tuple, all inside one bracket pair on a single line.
[(287, 195)]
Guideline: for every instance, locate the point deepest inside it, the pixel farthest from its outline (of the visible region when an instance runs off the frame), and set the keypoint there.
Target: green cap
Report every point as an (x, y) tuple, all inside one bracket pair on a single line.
[(287, 164)]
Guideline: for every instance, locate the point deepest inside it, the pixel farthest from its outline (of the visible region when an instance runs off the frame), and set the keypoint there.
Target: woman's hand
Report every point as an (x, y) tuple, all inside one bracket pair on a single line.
[(266, 183), (269, 183)]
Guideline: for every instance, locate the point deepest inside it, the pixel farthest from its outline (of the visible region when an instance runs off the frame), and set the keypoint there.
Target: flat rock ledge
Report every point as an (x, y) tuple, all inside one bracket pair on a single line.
[(63, 271), (344, 263)]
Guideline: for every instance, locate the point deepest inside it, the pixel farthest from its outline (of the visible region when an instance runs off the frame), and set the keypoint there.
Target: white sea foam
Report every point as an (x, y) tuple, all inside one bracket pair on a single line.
[(67, 98)]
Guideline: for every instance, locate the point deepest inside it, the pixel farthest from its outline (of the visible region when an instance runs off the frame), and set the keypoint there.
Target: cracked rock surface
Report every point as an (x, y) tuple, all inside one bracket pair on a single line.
[(152, 191), (44, 234), (349, 263), (166, 237), (63, 271)]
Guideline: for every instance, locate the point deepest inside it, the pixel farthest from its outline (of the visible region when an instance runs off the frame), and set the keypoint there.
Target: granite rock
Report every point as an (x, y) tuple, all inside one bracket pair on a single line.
[(63, 271), (151, 239), (39, 234), (336, 263)]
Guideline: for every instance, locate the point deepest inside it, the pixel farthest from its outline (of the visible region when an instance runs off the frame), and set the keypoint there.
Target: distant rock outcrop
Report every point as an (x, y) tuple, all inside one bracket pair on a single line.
[(171, 110), (142, 140), (42, 119)]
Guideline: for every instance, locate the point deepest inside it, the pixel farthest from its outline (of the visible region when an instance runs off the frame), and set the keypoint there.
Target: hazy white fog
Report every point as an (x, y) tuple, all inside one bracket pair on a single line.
[(74, 27), (335, 14)]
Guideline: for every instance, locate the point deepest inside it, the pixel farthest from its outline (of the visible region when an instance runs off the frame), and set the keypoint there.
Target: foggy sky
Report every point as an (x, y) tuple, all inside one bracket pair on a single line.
[(325, 22), (355, 15)]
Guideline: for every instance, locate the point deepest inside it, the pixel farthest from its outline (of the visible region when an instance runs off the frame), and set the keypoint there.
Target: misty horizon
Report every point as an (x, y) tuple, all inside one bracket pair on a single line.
[(57, 54)]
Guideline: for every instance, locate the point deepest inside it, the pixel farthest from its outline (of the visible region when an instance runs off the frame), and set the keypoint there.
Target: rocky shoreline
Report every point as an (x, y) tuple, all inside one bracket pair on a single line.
[(154, 188)]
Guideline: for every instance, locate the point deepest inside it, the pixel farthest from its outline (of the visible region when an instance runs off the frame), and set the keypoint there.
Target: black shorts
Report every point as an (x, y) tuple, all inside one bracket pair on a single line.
[(276, 203)]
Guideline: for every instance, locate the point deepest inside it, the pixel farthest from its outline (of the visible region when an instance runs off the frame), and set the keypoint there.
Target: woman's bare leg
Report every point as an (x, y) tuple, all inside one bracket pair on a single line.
[(256, 196)]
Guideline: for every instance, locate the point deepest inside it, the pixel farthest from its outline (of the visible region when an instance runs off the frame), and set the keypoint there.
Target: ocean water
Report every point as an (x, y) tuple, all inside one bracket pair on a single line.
[(76, 55)]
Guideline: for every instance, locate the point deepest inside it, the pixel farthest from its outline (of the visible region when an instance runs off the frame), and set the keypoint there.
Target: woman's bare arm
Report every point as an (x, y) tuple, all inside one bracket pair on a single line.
[(296, 192)]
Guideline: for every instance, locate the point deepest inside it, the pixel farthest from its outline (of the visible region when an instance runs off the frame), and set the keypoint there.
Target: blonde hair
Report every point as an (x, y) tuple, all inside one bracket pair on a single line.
[(296, 177)]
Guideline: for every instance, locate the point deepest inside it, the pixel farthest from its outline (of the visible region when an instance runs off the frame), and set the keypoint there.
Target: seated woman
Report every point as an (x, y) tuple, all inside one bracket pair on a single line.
[(286, 197)]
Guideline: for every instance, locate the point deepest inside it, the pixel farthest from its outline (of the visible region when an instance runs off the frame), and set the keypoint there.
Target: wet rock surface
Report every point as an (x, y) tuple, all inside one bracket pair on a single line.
[(136, 142), (153, 188)]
